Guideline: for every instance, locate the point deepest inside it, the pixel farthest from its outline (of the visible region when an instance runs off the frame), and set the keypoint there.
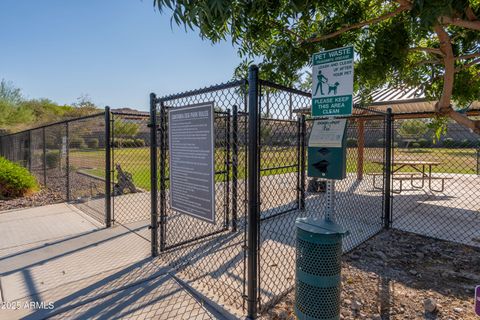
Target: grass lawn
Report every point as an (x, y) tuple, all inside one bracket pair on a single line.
[(137, 161)]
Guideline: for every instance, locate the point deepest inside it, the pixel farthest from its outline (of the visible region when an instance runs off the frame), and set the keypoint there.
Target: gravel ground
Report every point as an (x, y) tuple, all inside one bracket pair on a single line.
[(399, 275), (81, 186), (41, 198)]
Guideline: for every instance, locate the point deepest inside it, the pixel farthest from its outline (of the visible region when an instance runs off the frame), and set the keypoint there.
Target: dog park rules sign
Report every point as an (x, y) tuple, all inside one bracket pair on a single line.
[(332, 92), (192, 160)]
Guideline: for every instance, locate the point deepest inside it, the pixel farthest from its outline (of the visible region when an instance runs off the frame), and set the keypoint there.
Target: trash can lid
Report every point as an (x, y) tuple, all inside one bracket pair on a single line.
[(320, 226)]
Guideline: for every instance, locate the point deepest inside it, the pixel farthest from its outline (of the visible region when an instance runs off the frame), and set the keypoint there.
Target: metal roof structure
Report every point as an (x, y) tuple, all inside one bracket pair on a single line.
[(401, 100), (405, 100)]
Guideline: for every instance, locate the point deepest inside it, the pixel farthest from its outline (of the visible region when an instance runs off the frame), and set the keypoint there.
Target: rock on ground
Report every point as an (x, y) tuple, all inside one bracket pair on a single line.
[(414, 277)]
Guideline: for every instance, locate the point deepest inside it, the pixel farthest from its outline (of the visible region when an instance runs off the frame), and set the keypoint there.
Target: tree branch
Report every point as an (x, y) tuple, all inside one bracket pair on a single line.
[(428, 50), (467, 65), (443, 106), (449, 61), (400, 9), (468, 56), (287, 30), (468, 24), (470, 14)]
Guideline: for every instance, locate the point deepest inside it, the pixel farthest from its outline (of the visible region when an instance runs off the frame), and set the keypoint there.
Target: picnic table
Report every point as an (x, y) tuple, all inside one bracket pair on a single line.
[(422, 170)]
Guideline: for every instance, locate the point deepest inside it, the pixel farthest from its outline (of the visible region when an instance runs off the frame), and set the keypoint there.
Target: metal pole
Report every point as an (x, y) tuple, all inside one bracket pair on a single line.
[(30, 148), (303, 157), (108, 169), (290, 106), (388, 169), (253, 205), (153, 174), (227, 170), (44, 147), (163, 187), (234, 167), (299, 156), (360, 148), (478, 161), (68, 161), (330, 201)]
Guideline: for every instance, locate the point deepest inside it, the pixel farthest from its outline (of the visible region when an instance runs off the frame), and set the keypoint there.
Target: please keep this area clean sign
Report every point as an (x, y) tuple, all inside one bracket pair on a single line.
[(192, 170), (332, 73)]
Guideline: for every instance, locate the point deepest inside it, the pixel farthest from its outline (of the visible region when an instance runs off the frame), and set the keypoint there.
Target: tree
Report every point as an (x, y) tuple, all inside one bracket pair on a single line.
[(432, 44), (412, 128), (10, 93), (11, 112), (83, 107), (125, 129)]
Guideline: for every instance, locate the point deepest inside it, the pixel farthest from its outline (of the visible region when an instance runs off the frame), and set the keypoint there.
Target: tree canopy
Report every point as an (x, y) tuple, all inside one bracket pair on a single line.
[(430, 44)]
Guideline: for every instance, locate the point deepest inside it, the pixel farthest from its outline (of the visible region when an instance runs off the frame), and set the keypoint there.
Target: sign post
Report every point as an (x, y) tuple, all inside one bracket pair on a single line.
[(332, 96), (192, 160)]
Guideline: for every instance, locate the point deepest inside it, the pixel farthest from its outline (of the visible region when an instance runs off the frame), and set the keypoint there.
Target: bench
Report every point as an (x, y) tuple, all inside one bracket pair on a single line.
[(404, 176), (421, 178)]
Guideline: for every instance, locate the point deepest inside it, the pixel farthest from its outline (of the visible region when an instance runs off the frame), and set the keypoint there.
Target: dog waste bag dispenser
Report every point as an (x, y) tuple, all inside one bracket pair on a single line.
[(327, 152)]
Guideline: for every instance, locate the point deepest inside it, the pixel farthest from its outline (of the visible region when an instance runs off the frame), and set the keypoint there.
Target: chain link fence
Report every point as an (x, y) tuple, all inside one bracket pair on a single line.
[(435, 184), (287, 194), (115, 168), (130, 163), (68, 158)]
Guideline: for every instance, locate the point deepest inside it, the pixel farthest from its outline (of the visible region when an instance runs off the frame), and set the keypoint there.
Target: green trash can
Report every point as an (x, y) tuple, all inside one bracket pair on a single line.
[(318, 281)]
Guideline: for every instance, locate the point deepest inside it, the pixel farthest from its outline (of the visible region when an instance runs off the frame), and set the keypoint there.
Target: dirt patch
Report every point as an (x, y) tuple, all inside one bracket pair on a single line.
[(81, 187), (41, 198), (400, 275)]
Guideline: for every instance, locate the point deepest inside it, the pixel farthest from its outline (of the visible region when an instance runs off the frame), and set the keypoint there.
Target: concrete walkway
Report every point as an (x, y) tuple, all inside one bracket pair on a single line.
[(56, 262)]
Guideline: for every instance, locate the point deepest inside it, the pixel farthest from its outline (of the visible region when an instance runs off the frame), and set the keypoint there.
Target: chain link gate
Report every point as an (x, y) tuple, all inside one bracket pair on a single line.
[(172, 223), (205, 254)]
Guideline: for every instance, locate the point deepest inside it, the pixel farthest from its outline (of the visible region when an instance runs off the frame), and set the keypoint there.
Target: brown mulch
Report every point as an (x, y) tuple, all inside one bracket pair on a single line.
[(400, 275), (40, 198)]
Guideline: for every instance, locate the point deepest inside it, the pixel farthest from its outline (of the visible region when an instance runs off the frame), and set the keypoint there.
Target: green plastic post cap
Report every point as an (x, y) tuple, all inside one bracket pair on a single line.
[(320, 226)]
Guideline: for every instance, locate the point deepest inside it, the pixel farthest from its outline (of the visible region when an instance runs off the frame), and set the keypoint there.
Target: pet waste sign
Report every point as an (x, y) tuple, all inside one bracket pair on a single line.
[(332, 92)]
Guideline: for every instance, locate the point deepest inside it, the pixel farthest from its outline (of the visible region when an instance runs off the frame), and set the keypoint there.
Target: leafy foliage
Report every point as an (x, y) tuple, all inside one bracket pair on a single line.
[(15, 180), (125, 129), (387, 35), (52, 159), (439, 125), (18, 113), (413, 128)]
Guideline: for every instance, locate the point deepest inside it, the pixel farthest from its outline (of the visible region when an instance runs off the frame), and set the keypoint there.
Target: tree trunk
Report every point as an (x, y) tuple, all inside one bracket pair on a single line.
[(443, 106)]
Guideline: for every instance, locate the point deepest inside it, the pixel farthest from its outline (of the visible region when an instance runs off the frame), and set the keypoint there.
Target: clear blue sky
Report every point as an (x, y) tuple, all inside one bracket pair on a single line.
[(116, 51)]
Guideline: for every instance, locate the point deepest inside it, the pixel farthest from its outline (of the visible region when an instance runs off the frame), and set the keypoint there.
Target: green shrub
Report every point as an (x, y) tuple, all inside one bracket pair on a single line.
[(465, 143), (92, 143), (15, 181), (123, 143), (449, 142), (423, 142), (414, 145), (77, 143), (352, 142), (52, 159)]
